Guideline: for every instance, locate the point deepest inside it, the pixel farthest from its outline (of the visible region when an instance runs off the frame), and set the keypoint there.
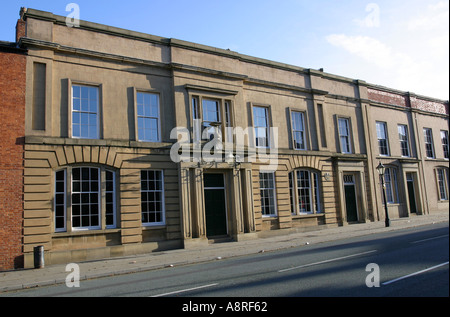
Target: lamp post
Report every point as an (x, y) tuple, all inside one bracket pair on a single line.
[(381, 169)]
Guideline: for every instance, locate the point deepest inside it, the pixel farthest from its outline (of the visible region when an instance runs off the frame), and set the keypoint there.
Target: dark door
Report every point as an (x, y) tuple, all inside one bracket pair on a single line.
[(350, 198), (215, 205), (411, 193)]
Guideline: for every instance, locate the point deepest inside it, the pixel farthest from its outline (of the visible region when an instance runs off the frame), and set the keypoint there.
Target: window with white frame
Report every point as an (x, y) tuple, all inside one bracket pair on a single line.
[(195, 108), (267, 191), (213, 112), (261, 126), (110, 199), (84, 208), (228, 124), (211, 116), (152, 198), (298, 130), (443, 181), (344, 135), (403, 138), (305, 192), (428, 138), (60, 201), (148, 117), (444, 138), (382, 136), (86, 198), (85, 112), (390, 182), (292, 192)]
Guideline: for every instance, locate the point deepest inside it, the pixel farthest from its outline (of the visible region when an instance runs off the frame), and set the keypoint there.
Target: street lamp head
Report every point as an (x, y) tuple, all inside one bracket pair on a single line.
[(381, 169)]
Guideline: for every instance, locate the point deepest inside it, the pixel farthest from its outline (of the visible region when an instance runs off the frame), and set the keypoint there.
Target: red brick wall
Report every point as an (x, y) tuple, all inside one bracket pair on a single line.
[(387, 97), (427, 105), (20, 29), (407, 100), (12, 131)]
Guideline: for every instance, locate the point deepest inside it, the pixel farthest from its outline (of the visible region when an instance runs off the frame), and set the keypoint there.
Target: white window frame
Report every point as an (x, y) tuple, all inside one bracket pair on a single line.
[(345, 142), (271, 191), (445, 145), (89, 192), (442, 183), (381, 127), (148, 191), (195, 108), (224, 113), (143, 116), (429, 144), (298, 130), (292, 200), (68, 203), (78, 113), (391, 187), (206, 103), (113, 202), (403, 139), (57, 205), (261, 129), (312, 191), (228, 121), (206, 123)]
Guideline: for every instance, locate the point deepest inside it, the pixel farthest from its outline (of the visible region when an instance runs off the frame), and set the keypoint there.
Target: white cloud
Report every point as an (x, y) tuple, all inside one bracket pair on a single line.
[(370, 49), (435, 17), (387, 65), (409, 52)]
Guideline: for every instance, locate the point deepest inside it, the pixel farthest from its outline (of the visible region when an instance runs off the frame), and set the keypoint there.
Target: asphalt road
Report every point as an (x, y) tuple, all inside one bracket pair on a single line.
[(410, 262)]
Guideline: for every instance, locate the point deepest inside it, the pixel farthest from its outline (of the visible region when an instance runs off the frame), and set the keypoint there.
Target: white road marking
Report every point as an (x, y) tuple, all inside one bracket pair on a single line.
[(418, 241), (327, 261), (185, 290), (414, 274)]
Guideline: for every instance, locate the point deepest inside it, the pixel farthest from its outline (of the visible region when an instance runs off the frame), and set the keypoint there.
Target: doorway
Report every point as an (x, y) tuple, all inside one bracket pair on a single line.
[(411, 192), (350, 198), (215, 205)]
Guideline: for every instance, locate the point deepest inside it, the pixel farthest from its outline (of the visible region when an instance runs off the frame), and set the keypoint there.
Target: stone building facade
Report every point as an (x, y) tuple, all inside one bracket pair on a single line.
[(136, 143), (409, 135)]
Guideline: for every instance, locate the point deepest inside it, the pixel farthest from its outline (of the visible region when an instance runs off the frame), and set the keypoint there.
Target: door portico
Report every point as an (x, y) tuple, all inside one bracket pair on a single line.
[(216, 201)]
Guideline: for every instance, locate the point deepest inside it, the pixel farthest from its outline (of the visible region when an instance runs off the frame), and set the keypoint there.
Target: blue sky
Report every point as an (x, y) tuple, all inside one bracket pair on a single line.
[(398, 44)]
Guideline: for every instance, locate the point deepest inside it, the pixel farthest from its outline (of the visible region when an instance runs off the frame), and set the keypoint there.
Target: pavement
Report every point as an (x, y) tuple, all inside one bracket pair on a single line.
[(56, 274)]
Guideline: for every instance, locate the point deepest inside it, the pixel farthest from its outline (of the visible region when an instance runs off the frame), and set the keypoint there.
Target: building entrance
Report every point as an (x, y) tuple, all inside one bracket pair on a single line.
[(215, 205), (411, 192), (350, 198)]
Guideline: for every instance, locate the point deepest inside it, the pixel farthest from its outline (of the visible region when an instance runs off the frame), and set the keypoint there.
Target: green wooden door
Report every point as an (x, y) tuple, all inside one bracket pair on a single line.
[(411, 193), (350, 198), (215, 205)]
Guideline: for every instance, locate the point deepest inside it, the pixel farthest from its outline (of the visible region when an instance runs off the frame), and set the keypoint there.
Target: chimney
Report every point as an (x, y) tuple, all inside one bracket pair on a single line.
[(21, 26)]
